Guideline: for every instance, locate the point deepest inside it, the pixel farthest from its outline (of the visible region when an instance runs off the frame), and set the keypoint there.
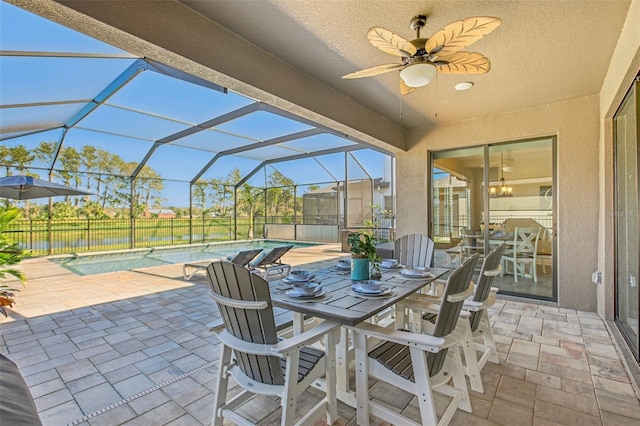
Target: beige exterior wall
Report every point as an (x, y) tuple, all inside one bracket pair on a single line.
[(575, 123), (624, 66)]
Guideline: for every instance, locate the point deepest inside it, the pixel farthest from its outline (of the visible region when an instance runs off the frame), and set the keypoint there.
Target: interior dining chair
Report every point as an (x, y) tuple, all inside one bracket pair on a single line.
[(258, 360), (414, 250), (523, 252), (469, 244), (417, 363)]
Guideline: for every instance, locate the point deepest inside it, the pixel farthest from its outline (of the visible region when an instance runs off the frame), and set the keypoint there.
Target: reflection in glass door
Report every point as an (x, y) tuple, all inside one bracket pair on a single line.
[(626, 214), (483, 196), (521, 197), (457, 203)]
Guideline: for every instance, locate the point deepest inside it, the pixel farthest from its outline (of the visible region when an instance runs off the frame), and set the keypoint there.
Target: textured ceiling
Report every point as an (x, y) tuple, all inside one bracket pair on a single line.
[(545, 50)]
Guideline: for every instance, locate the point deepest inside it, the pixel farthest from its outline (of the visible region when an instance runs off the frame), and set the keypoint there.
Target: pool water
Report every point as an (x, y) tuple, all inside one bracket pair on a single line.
[(92, 264)]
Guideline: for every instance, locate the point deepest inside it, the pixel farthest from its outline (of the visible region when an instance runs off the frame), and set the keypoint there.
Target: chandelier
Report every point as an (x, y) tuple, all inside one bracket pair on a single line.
[(502, 190)]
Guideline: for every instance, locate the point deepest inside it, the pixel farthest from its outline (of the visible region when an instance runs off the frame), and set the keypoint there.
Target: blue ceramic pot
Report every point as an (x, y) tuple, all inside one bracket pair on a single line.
[(359, 269)]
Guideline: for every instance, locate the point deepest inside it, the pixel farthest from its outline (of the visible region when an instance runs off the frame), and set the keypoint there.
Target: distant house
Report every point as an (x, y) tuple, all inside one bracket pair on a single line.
[(160, 213)]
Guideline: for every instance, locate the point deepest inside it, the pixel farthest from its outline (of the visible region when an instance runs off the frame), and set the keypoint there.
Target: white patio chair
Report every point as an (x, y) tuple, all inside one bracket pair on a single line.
[(417, 363), (414, 250), (478, 339), (523, 252), (261, 363)]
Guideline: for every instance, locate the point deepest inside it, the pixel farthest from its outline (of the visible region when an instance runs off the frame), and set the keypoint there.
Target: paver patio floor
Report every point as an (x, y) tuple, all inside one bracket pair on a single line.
[(134, 348)]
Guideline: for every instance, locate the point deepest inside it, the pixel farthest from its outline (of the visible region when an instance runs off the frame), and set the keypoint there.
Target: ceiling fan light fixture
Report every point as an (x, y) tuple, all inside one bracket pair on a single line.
[(418, 75)]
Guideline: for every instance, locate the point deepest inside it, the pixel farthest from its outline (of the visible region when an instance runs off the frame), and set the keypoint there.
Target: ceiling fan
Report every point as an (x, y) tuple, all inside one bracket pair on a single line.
[(423, 57)]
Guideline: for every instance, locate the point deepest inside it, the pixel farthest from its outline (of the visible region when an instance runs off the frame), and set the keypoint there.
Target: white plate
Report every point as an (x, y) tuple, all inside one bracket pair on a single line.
[(417, 272), (343, 266), (296, 295), (359, 289)]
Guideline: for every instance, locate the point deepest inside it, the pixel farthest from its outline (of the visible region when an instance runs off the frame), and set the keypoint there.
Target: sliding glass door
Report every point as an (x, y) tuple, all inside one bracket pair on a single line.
[(627, 222), (485, 196)]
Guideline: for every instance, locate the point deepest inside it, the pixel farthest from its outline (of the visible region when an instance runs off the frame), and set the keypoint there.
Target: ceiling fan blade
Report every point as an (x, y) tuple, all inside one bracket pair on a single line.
[(463, 63), (377, 70), (404, 89), (390, 43), (460, 34)]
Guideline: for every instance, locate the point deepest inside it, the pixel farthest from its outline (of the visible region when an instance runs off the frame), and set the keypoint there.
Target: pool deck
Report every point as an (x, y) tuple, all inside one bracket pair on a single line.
[(133, 347)]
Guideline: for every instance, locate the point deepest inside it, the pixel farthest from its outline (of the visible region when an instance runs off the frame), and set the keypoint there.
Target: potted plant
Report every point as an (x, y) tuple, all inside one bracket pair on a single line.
[(363, 251), (10, 254)]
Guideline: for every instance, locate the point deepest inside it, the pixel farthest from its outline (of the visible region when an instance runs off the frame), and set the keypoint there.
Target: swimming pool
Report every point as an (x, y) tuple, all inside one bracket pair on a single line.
[(92, 264)]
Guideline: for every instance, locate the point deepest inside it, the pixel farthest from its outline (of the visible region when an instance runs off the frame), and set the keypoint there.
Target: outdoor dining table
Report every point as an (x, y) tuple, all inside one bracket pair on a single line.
[(342, 305)]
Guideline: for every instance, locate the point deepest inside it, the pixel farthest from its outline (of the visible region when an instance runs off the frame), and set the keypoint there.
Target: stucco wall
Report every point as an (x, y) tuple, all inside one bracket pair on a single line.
[(624, 66), (575, 122)]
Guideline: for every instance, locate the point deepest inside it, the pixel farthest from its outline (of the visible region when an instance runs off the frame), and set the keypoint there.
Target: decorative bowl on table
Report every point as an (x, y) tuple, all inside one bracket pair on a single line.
[(299, 276), (305, 289), (389, 263), (344, 264), (415, 272), (368, 287)]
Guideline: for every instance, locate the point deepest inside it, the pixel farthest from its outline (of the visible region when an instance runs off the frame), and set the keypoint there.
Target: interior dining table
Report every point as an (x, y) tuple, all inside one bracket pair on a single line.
[(337, 302)]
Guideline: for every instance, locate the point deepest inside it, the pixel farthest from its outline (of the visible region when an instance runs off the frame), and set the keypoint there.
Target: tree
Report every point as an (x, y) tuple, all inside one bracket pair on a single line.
[(199, 194), (279, 195), (63, 210), (248, 198), (92, 210), (45, 152), (69, 161), (89, 159)]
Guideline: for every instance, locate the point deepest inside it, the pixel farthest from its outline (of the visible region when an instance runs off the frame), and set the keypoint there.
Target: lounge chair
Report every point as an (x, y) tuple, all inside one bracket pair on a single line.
[(271, 263), (256, 358), (242, 258)]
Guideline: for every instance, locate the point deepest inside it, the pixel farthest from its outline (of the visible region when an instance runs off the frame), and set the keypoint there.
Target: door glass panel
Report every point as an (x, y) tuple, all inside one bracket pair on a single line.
[(520, 197), (626, 178), (517, 181), (457, 203)]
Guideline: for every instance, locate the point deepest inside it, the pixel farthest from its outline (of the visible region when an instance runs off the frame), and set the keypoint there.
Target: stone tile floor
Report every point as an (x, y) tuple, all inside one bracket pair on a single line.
[(133, 348)]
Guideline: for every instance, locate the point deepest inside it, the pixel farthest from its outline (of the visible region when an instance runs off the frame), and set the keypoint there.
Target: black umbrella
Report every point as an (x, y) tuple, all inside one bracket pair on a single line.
[(28, 187)]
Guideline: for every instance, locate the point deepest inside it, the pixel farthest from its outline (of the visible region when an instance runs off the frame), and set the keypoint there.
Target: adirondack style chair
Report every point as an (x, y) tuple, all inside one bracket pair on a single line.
[(414, 250), (260, 362), (478, 326), (271, 263), (484, 297), (417, 363)]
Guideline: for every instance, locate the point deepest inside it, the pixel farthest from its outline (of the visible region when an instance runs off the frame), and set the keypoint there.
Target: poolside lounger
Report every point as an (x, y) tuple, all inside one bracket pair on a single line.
[(242, 258), (271, 264)]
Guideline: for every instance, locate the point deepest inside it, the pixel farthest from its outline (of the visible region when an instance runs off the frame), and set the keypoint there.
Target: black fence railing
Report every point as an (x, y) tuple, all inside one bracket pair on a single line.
[(59, 236)]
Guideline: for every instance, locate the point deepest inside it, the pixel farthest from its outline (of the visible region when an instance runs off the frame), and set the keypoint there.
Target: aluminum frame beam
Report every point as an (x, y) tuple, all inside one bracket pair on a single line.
[(344, 149), (251, 147), (112, 88)]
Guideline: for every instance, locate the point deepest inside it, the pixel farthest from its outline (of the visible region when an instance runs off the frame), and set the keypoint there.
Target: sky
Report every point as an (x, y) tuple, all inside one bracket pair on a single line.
[(151, 106)]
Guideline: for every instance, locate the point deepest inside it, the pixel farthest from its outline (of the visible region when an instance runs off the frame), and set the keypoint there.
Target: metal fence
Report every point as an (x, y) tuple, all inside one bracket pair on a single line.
[(58, 236), (61, 236)]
